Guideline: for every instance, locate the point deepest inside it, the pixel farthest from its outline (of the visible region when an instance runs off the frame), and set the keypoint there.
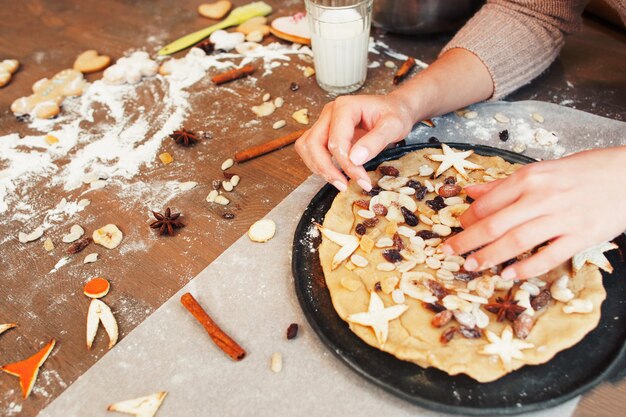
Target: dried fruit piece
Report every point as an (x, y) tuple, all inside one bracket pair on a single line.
[(294, 87), (436, 203), (448, 335), (48, 245), (28, 369), (262, 230), (522, 326), (470, 332), (166, 158), (96, 288), (541, 300), (140, 407), (108, 236), (442, 318), (504, 135), (409, 218), (309, 72), (292, 331), (100, 312), (264, 109), (392, 255), (301, 116), (388, 170), (79, 245)]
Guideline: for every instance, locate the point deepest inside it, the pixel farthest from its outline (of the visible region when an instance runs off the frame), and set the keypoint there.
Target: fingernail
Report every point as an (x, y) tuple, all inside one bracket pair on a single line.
[(340, 185), (508, 274), (364, 184), (471, 264), (447, 249), (359, 155)]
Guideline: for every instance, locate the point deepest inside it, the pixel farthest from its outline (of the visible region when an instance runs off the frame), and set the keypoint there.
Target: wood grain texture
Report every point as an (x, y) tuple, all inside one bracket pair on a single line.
[(46, 36)]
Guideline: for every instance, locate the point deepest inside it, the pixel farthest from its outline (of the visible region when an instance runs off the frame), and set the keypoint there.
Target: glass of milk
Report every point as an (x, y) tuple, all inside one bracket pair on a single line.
[(340, 31)]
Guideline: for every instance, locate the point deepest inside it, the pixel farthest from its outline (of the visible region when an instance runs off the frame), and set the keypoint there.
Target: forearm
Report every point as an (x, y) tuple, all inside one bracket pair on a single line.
[(457, 79)]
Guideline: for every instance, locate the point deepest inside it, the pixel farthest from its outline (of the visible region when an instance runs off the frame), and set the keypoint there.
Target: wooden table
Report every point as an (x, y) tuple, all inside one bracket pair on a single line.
[(46, 37)]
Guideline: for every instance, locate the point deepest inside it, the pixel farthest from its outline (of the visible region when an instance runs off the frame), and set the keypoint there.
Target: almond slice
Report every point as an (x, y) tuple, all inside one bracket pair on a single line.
[(262, 230)]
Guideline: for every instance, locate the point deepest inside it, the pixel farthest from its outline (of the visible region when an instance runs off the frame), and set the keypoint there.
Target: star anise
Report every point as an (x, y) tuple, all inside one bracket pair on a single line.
[(166, 222), (505, 307), (184, 137)]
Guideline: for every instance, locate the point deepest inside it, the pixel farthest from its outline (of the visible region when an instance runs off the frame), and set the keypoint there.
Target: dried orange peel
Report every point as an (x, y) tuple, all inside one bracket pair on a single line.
[(97, 287), (28, 369)]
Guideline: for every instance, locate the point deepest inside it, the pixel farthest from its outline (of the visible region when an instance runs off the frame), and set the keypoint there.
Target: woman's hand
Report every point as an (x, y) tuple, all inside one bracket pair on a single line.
[(573, 203), (353, 130)]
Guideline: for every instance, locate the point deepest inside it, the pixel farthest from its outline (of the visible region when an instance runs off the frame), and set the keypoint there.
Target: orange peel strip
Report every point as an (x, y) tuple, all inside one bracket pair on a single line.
[(28, 369), (97, 287)]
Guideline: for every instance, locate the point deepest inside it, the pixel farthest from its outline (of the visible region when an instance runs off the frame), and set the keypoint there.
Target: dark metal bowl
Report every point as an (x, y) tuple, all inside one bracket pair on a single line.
[(423, 16)]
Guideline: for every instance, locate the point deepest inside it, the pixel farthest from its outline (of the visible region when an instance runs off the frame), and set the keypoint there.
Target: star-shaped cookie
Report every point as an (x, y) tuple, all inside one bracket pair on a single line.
[(378, 317), (594, 255), (505, 346), (451, 159)]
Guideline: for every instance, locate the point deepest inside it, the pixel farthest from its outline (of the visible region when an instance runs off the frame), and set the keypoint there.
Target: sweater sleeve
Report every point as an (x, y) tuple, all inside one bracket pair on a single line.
[(518, 39)]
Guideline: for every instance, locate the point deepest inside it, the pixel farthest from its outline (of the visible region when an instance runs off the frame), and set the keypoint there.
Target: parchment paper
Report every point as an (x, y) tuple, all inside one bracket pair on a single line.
[(249, 291)]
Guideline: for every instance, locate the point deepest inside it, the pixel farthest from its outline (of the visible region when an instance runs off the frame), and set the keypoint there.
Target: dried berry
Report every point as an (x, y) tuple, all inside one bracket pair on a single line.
[(434, 307), (447, 335), (370, 222), (470, 333), (360, 229), (207, 46), (377, 286), (427, 234), (436, 203), (294, 87), (433, 139), (292, 331), (442, 318), (409, 217), (397, 241), (379, 210), (228, 175), (522, 326), (504, 135), (392, 255), (436, 288), (466, 276), (388, 170), (456, 229), (228, 215), (363, 204), (450, 180), (373, 192), (216, 184), (541, 300), (79, 245), (449, 190)]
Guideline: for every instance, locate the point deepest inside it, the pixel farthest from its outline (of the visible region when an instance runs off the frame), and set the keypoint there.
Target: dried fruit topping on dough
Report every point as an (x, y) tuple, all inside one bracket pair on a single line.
[(100, 312), (451, 159), (28, 369), (140, 407), (378, 316)]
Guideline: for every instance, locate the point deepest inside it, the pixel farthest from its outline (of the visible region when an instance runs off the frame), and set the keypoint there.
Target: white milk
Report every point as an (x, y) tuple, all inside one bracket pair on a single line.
[(340, 44)]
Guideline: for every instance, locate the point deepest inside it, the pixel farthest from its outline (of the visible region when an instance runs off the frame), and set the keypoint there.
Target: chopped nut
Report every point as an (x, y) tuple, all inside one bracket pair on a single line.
[(390, 64), (358, 260), (264, 109), (276, 364), (48, 245), (212, 195), (501, 118), (279, 102), (425, 171), (560, 291), (366, 214), (227, 186), (301, 116), (442, 230), (398, 296), (234, 180), (385, 266), (464, 318), (84, 202), (75, 233), (578, 305), (91, 258), (227, 164), (519, 147), (309, 71), (279, 124), (266, 97), (165, 157), (537, 117), (472, 298), (220, 199), (444, 275), (470, 114), (522, 326)]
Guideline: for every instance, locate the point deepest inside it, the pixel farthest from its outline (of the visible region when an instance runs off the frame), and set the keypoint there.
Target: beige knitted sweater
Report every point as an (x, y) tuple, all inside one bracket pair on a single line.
[(518, 39)]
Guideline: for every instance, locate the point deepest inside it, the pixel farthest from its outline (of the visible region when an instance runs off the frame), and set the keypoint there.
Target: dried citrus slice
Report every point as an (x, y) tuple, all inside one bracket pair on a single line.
[(28, 369), (96, 288)]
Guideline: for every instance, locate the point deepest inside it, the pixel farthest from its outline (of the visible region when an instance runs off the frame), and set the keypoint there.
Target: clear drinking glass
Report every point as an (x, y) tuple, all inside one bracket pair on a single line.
[(340, 31)]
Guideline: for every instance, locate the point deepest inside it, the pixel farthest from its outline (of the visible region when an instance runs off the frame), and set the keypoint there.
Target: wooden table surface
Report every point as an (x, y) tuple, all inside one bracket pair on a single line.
[(45, 36)]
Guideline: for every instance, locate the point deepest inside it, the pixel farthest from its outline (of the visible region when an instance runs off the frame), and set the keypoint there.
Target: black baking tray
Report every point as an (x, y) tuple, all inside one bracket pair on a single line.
[(599, 357)]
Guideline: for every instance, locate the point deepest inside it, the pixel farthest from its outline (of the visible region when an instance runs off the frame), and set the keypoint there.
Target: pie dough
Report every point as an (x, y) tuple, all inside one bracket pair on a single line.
[(411, 336)]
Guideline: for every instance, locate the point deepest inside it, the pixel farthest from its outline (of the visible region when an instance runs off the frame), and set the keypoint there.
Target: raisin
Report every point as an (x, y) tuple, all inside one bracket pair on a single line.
[(228, 175), (389, 171), (466, 276), (456, 229), (442, 318), (436, 288), (450, 180), (409, 217), (436, 203), (370, 222), (469, 200), (79, 245), (363, 204), (360, 229), (207, 46), (392, 255), (397, 241), (447, 335), (470, 333), (434, 307), (420, 190), (373, 192), (541, 300), (292, 331), (504, 135), (294, 87), (377, 286), (379, 209), (433, 139), (427, 234), (449, 190), (228, 215)]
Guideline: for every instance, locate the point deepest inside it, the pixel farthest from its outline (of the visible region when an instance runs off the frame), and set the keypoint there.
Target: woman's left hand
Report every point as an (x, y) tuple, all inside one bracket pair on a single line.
[(572, 203)]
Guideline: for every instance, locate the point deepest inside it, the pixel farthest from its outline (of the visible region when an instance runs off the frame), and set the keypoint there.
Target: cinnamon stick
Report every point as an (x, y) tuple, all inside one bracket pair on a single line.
[(404, 69), (268, 147), (233, 74), (221, 339)]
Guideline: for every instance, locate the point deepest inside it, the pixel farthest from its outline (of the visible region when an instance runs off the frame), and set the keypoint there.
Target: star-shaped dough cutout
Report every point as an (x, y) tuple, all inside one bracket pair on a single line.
[(505, 346), (594, 255), (348, 244), (451, 159), (378, 317)]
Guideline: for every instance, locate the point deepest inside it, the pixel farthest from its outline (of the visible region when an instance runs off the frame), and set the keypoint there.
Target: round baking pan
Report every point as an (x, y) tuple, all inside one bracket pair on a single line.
[(599, 357)]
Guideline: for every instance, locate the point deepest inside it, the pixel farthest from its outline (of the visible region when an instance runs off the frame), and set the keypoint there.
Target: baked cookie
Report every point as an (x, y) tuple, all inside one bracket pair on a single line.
[(7, 69), (89, 61), (389, 280)]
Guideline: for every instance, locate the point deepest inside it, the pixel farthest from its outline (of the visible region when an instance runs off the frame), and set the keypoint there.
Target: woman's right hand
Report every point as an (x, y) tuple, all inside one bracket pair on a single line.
[(353, 130)]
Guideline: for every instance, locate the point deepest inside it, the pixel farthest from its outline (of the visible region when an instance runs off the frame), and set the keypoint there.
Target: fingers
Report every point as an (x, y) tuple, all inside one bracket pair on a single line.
[(490, 228), (490, 201), (387, 130), (547, 258), (478, 190), (513, 243)]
